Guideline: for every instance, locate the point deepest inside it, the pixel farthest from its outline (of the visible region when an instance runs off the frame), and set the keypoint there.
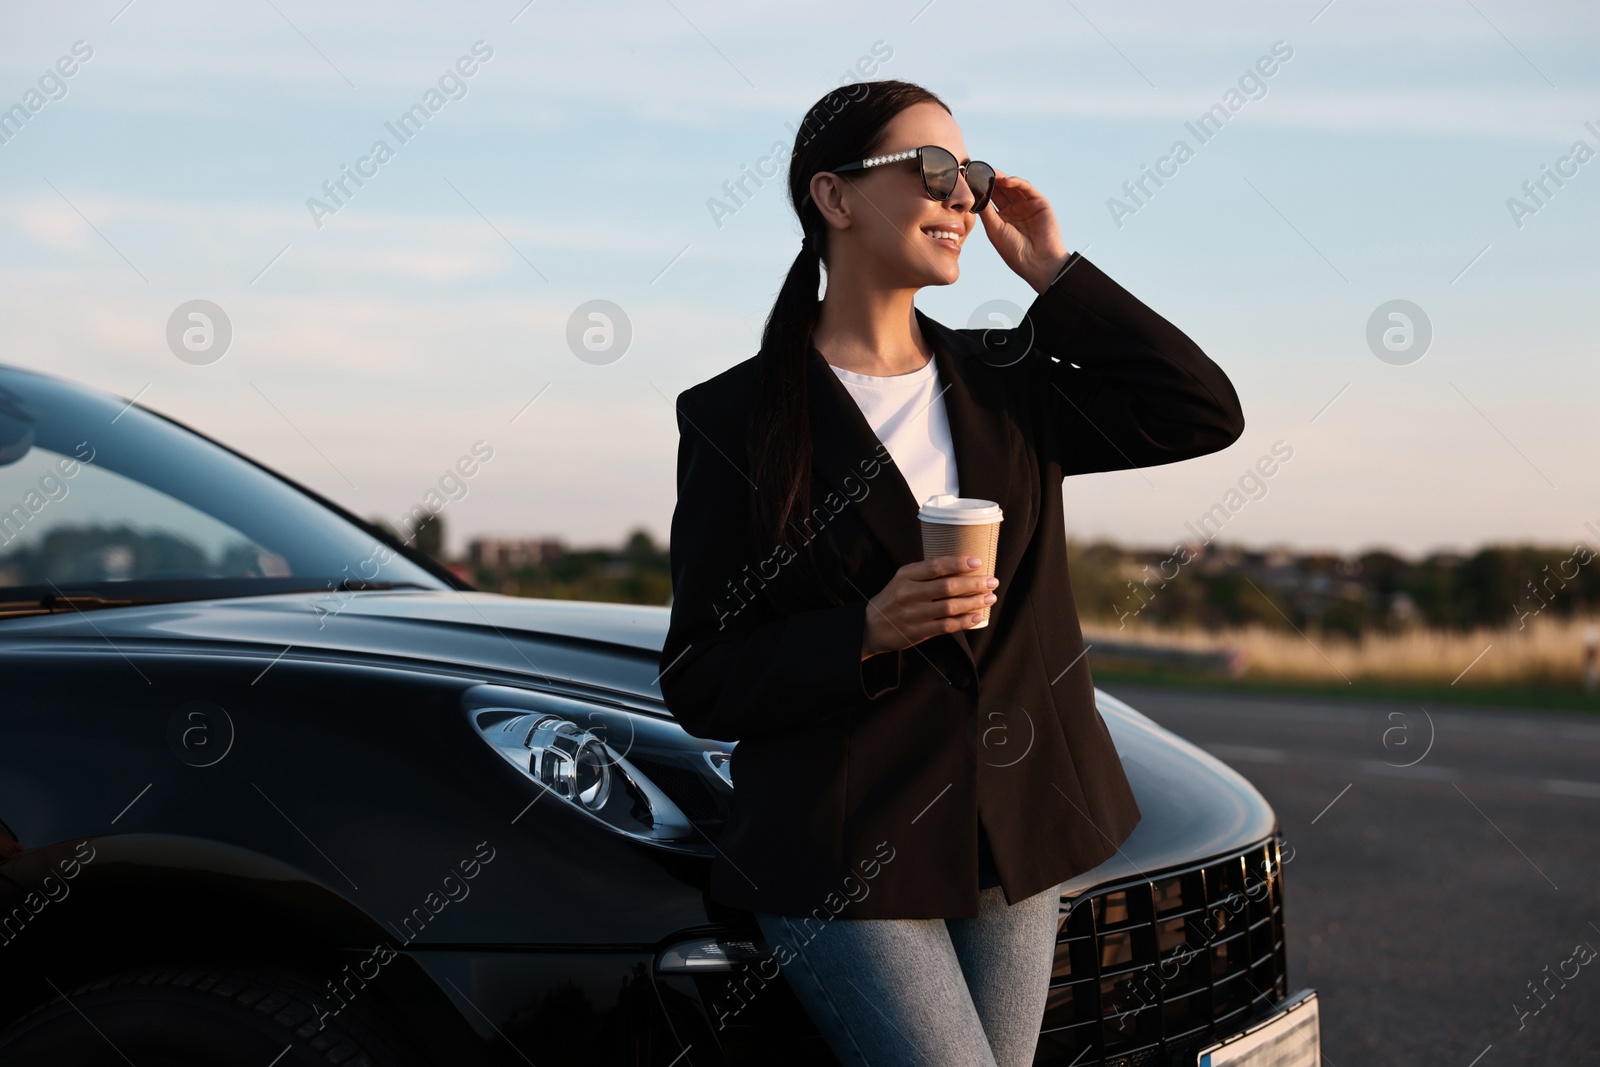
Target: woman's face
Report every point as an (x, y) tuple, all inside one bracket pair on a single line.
[(882, 218)]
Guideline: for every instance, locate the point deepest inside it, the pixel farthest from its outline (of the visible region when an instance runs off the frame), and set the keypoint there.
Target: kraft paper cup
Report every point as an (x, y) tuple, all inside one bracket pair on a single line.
[(962, 526)]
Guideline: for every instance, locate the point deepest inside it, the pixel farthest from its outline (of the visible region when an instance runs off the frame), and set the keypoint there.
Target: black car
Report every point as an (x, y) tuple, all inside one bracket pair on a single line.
[(277, 789)]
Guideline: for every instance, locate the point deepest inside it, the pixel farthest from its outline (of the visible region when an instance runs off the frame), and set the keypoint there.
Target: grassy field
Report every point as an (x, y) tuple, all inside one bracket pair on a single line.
[(1540, 665)]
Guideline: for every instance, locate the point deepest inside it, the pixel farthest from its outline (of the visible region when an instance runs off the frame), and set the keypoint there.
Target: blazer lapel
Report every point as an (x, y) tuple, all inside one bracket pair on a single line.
[(984, 439)]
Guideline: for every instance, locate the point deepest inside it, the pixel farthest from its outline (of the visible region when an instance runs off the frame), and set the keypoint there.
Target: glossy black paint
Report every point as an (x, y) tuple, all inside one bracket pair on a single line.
[(354, 796)]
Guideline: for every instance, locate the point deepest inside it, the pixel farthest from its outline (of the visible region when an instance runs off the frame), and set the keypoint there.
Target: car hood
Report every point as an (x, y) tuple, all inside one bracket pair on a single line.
[(486, 636), (1194, 806)]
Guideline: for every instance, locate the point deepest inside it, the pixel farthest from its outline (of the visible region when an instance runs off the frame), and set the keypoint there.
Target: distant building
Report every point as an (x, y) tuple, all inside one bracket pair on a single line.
[(514, 552)]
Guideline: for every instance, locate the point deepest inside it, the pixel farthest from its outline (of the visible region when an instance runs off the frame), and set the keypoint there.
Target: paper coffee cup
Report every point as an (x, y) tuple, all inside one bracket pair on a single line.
[(962, 526)]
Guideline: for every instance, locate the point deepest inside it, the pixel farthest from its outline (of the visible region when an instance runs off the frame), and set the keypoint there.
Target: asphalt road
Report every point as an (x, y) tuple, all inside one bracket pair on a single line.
[(1444, 869)]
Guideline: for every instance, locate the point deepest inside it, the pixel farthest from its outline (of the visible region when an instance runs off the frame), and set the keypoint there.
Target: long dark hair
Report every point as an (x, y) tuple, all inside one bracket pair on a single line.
[(847, 124)]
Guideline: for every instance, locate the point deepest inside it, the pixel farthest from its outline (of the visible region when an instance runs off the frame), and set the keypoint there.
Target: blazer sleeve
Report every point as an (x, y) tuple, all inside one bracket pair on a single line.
[(729, 669), (1120, 386)]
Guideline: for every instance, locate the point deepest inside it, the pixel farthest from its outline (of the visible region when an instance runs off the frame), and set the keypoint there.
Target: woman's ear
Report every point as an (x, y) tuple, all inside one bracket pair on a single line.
[(827, 192)]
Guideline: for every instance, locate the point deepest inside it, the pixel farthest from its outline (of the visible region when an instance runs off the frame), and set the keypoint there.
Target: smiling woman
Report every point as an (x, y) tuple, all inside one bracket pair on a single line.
[(855, 691)]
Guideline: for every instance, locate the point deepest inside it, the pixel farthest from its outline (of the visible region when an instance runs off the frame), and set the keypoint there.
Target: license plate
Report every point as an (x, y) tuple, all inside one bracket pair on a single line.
[(1289, 1037)]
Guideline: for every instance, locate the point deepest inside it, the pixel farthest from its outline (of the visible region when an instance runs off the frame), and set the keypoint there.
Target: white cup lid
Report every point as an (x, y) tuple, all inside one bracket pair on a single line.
[(960, 510)]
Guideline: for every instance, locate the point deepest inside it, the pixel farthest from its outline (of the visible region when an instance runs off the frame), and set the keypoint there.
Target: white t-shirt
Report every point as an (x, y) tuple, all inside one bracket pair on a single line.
[(907, 413)]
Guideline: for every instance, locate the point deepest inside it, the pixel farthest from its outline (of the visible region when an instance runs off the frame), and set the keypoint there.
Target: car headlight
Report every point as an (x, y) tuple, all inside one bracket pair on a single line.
[(578, 766), (564, 757)]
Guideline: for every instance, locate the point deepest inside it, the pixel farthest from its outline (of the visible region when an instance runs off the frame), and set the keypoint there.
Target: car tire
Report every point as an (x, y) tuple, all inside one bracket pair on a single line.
[(204, 1016)]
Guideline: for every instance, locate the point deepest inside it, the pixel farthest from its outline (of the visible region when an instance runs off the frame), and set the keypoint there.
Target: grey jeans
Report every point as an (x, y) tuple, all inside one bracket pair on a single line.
[(925, 992)]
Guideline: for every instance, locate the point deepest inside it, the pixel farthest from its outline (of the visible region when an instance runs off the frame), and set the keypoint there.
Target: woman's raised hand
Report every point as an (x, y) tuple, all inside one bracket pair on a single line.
[(1021, 225), (924, 599)]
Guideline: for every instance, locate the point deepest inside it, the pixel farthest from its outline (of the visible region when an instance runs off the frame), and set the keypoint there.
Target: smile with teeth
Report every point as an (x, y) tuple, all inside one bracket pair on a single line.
[(948, 238)]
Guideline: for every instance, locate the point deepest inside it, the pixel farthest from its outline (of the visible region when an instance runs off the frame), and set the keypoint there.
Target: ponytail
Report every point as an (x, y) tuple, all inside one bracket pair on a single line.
[(838, 129)]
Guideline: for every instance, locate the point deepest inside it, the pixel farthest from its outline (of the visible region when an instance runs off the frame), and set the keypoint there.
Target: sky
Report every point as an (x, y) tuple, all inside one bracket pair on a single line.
[(378, 334)]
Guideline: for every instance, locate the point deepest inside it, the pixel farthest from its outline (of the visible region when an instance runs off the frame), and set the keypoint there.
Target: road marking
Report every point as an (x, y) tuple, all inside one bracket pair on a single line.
[(1440, 774), (1538, 723), (1304, 760), (1571, 789)]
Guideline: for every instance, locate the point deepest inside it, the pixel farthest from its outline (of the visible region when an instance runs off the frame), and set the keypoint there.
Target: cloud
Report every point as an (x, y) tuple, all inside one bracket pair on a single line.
[(54, 225)]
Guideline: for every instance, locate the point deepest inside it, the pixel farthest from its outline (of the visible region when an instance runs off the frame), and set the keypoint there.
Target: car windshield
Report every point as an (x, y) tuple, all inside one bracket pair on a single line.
[(105, 503)]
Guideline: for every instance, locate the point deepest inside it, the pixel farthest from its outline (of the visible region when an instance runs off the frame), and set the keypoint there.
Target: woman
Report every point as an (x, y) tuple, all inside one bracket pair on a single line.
[(911, 790)]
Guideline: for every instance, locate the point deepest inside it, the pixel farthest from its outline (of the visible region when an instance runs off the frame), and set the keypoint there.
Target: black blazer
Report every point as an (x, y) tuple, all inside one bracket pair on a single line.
[(859, 785)]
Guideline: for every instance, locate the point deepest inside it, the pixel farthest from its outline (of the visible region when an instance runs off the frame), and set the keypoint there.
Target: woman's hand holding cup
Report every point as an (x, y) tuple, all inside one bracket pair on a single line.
[(927, 598)]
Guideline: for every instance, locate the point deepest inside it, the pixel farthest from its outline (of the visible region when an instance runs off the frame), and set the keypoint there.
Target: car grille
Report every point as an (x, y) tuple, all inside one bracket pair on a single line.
[(1149, 971)]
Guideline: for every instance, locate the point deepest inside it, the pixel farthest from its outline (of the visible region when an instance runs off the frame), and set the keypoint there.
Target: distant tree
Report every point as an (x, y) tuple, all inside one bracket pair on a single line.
[(427, 536), (640, 547)]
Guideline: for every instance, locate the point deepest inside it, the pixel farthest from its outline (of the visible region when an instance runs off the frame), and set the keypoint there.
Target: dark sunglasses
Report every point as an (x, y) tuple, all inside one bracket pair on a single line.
[(940, 172)]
